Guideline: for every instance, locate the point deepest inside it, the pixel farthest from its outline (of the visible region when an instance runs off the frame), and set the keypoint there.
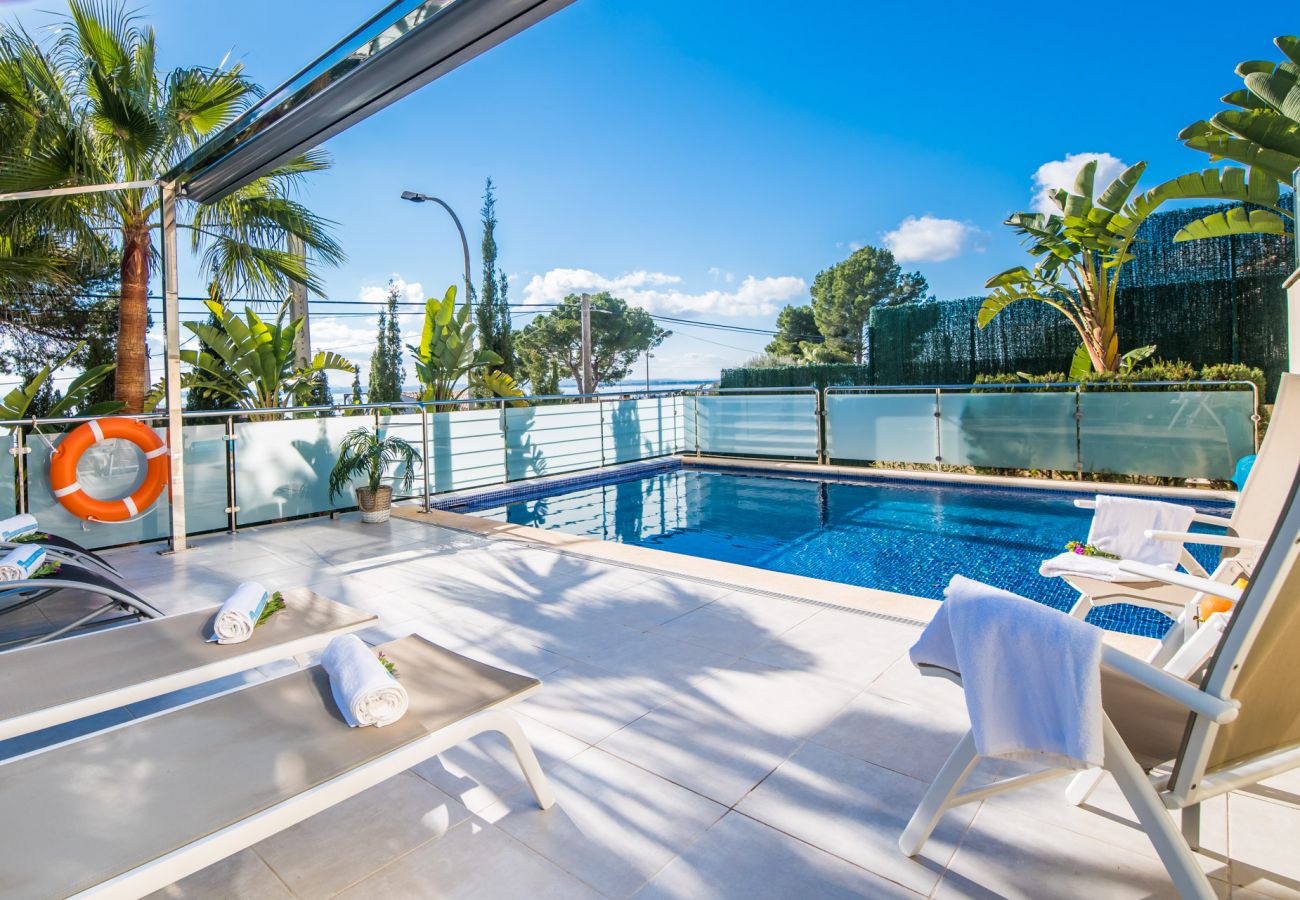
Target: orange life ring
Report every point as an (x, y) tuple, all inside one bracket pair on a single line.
[(63, 469)]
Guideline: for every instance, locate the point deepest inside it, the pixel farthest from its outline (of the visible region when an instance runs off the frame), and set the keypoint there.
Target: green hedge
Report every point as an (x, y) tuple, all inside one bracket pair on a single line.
[(1178, 372), (818, 376)]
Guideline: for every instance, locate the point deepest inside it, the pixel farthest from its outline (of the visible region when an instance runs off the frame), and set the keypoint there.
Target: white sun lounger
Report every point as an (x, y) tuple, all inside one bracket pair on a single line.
[(49, 684), (1259, 506), (132, 809), (1238, 726)]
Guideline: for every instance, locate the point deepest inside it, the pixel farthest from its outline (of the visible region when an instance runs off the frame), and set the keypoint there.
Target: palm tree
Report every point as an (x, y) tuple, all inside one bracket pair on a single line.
[(92, 108)]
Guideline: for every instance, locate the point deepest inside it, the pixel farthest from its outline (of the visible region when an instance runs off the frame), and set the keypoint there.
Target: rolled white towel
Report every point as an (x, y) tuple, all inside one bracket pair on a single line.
[(21, 562), (238, 616), (364, 691), (17, 526)]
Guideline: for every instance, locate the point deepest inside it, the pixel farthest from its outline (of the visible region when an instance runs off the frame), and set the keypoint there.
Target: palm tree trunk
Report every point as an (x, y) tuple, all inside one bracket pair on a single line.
[(132, 375)]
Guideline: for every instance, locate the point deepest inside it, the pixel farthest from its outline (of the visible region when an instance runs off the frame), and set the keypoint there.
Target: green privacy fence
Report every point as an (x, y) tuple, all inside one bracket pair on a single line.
[(1204, 302), (245, 468)]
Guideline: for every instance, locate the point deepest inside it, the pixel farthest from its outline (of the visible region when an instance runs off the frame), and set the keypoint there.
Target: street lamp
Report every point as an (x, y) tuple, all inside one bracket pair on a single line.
[(464, 244), (648, 356)]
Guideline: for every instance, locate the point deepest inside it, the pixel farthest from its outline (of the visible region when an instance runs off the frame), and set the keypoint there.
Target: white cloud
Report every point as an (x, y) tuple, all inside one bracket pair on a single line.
[(410, 290), (754, 296), (930, 239), (1060, 173)]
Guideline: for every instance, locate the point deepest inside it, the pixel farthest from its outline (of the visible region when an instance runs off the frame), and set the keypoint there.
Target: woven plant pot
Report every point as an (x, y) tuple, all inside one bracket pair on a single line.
[(376, 506)]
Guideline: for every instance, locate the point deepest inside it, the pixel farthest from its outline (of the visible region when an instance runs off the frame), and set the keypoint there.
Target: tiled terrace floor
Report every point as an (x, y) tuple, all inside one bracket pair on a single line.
[(703, 742)]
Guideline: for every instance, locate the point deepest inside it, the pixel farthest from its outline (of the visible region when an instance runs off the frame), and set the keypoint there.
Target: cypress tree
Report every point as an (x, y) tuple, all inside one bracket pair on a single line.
[(397, 374), (386, 373), (492, 313), (379, 362)]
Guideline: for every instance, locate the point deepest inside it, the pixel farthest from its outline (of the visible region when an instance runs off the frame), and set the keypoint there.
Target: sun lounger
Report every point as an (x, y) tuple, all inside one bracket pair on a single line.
[(130, 810), (112, 592), (64, 550), (49, 684), (1239, 725), (1258, 509)]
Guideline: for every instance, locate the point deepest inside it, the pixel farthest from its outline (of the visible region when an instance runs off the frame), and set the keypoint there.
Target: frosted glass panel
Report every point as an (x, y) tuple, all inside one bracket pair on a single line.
[(115, 469), (282, 468), (1008, 430), (889, 428), (468, 448), (1181, 434), (545, 440), (640, 429), (407, 427), (783, 425)]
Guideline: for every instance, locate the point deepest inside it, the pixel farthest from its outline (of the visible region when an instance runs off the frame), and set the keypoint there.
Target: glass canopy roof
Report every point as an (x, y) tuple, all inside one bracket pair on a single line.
[(402, 48)]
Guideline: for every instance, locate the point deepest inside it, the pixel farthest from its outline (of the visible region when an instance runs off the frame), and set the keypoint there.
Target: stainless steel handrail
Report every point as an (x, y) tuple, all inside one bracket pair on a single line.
[(229, 418)]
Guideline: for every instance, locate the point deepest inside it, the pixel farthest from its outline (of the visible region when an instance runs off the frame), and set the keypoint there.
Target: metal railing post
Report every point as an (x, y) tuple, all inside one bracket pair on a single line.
[(19, 451), (697, 425), (1078, 431), (424, 450), (938, 430), (505, 442), (600, 410), (819, 411), (232, 491)]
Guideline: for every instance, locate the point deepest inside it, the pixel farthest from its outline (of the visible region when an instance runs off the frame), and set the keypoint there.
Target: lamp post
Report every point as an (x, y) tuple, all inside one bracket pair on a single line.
[(648, 356), (464, 244)]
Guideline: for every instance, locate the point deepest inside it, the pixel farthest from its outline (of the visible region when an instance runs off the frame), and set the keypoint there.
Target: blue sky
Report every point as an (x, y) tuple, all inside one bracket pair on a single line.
[(707, 159)]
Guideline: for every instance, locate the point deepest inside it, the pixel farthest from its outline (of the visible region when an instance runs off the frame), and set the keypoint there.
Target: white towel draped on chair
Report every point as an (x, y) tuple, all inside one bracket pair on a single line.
[(1119, 526), (364, 691), (1032, 674)]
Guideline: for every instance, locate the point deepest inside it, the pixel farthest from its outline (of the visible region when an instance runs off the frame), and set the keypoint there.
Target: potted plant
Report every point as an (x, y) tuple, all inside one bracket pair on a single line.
[(364, 452)]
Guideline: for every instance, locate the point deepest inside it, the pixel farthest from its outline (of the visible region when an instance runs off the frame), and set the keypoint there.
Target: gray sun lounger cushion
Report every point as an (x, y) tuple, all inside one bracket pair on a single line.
[(101, 806), (58, 682)]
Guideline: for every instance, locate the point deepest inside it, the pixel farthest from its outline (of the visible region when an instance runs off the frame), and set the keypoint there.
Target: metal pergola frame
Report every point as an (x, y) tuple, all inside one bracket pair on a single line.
[(403, 47), (171, 332)]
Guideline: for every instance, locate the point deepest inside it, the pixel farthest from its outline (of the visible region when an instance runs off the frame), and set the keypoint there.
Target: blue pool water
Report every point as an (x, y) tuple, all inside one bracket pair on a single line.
[(910, 537)]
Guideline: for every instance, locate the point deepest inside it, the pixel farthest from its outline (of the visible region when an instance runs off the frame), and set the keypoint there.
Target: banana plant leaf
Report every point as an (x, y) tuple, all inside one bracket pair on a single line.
[(1235, 221)]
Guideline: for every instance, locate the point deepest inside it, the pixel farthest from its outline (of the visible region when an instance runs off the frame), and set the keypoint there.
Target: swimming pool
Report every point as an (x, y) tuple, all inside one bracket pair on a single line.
[(897, 535)]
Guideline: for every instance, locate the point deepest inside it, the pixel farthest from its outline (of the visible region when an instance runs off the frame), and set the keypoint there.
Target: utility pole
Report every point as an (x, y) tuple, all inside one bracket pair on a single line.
[(298, 309), (588, 385)]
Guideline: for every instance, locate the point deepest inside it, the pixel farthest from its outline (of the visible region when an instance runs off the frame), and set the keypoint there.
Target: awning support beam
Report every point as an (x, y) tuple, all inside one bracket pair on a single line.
[(172, 370)]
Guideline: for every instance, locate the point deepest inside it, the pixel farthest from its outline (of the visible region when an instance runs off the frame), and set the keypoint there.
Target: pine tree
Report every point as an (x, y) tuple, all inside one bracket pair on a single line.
[(321, 395), (491, 312), (355, 398)]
